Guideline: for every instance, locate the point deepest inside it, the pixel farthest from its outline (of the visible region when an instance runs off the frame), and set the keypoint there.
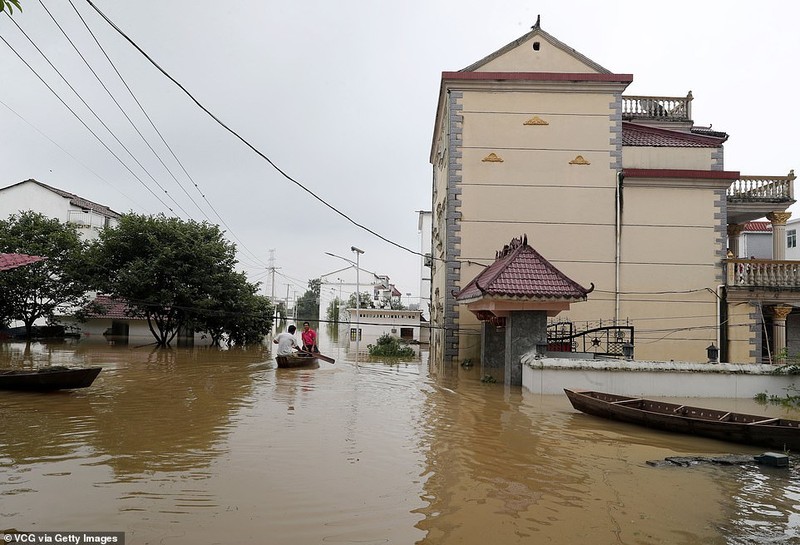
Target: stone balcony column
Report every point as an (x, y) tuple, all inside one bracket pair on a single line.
[(779, 314), (734, 230), (778, 220)]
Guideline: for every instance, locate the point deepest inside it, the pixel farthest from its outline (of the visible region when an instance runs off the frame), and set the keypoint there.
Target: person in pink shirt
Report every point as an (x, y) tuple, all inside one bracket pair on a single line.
[(309, 338)]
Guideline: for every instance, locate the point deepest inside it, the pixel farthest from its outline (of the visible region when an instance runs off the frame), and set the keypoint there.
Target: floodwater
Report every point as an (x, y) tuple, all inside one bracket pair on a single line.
[(209, 446)]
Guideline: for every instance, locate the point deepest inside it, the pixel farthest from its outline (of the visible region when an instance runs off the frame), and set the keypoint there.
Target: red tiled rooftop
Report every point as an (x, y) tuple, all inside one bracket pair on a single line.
[(758, 227), (645, 136), (521, 272), (12, 261), (110, 308)]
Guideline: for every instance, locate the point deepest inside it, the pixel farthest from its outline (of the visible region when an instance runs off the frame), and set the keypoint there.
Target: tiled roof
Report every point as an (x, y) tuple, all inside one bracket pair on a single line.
[(521, 272), (646, 136), (12, 261), (109, 307), (758, 227), (80, 202)]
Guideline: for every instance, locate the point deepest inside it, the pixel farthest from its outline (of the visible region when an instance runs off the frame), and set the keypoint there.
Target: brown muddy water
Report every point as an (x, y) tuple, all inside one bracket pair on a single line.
[(206, 446)]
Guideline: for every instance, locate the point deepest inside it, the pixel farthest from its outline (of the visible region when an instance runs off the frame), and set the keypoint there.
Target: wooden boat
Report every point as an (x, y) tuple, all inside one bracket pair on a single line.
[(297, 360), (776, 433), (48, 378)]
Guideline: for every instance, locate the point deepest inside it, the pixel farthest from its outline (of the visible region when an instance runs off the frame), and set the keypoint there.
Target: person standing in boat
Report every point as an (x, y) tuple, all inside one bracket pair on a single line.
[(309, 337), (287, 343)]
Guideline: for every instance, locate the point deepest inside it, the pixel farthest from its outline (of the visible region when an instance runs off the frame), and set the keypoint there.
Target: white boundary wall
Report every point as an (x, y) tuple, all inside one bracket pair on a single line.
[(660, 379)]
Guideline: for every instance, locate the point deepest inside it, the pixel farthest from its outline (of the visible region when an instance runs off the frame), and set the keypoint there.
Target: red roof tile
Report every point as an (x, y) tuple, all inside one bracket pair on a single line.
[(758, 227), (12, 261), (645, 136), (521, 272), (109, 307)]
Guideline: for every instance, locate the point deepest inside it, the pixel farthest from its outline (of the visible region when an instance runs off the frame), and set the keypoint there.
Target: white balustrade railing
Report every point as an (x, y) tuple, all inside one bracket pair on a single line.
[(762, 188), (763, 273), (663, 108)]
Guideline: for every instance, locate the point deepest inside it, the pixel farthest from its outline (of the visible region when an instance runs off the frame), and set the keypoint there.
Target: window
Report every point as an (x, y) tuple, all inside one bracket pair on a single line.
[(791, 238)]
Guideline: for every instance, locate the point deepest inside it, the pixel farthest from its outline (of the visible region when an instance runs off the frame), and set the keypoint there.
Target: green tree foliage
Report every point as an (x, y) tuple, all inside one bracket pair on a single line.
[(388, 346), (332, 313), (366, 300), (36, 291), (236, 313), (9, 5), (176, 273), (308, 304)]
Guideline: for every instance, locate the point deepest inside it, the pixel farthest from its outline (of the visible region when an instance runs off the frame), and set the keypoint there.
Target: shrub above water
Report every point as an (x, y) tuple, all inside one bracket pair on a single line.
[(389, 346)]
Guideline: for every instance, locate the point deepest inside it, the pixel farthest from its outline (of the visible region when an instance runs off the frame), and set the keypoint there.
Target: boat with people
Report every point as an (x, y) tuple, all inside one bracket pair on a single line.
[(297, 360), (749, 429), (48, 378)]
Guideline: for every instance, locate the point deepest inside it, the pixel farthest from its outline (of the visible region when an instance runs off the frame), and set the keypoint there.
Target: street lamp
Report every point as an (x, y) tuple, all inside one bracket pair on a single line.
[(358, 253)]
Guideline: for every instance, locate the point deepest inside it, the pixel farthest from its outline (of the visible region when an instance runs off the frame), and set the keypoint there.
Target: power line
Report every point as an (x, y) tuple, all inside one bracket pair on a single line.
[(77, 116), (246, 142)]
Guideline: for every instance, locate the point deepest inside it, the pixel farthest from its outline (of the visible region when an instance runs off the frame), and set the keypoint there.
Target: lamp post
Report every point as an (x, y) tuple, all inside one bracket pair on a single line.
[(358, 253)]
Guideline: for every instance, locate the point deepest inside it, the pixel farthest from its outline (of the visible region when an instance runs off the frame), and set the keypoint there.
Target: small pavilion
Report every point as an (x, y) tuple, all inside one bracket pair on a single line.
[(513, 297)]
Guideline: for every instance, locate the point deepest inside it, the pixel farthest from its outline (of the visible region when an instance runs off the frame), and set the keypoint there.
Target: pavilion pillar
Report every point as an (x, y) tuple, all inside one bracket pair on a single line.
[(524, 329), (493, 348)]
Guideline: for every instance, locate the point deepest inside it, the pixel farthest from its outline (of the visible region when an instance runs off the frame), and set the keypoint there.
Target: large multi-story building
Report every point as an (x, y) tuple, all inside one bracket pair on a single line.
[(623, 192)]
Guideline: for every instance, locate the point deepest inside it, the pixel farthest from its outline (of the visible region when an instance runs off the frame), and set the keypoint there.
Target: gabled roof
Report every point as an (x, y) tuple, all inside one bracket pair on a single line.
[(75, 200), (521, 272), (12, 261), (646, 136), (105, 306), (537, 32)]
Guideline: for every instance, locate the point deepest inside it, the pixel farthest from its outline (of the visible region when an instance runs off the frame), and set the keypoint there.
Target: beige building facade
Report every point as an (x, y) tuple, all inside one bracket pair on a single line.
[(623, 192)]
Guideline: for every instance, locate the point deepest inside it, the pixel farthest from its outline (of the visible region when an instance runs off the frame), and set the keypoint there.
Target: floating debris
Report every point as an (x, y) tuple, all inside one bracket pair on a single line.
[(768, 458)]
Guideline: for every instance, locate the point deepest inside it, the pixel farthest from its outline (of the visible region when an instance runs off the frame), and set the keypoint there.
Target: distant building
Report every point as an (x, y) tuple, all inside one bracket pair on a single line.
[(756, 240), (89, 217)]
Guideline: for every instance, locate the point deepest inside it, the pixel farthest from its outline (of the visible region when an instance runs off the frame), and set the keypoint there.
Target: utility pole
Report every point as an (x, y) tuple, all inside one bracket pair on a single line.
[(272, 287)]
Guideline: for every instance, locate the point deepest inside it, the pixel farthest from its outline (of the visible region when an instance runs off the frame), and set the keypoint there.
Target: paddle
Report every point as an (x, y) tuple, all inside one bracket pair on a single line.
[(317, 355)]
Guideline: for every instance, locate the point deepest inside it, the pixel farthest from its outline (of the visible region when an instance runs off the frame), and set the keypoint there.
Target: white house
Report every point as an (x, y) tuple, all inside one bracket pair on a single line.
[(756, 240), (374, 322), (90, 217)]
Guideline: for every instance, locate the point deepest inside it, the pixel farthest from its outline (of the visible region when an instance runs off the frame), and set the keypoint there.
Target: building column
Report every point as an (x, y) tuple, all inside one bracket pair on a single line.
[(734, 230), (779, 314), (524, 329), (778, 220)]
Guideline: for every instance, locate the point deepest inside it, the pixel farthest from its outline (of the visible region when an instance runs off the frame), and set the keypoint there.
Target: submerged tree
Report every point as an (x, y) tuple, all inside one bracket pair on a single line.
[(37, 290), (308, 304), (172, 271)]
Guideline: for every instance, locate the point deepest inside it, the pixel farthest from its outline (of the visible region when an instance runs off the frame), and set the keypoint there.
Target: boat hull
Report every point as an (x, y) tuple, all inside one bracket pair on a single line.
[(755, 430), (296, 361), (48, 379)]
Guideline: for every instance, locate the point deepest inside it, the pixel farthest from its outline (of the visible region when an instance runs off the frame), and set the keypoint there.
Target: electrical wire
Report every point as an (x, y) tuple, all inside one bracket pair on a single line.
[(247, 143)]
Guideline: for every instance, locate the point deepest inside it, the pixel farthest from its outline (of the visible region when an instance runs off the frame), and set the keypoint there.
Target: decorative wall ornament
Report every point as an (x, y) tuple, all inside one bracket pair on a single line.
[(536, 120), (579, 160), (492, 158)]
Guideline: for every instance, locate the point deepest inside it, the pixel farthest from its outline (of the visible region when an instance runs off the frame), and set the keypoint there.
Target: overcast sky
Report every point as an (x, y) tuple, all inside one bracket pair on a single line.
[(341, 96)]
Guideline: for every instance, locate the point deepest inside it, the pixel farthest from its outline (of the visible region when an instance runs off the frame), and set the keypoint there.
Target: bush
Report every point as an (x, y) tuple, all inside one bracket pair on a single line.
[(389, 346)]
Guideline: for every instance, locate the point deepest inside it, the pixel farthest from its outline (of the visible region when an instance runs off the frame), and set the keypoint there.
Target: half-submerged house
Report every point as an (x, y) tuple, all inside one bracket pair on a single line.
[(623, 191)]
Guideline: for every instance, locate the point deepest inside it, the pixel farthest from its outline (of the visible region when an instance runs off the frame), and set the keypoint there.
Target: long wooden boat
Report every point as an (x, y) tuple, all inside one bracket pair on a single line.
[(48, 378), (297, 360), (776, 433)]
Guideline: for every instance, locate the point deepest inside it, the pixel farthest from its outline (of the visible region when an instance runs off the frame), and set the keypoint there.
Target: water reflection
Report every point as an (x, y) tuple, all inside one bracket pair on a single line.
[(207, 445)]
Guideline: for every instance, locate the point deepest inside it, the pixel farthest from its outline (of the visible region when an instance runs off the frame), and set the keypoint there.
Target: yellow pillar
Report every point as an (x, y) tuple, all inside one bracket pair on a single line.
[(779, 314), (778, 220), (734, 230)]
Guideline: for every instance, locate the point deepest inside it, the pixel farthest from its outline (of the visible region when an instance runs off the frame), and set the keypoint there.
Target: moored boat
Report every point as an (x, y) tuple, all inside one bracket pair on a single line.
[(756, 430), (48, 378), (297, 360)]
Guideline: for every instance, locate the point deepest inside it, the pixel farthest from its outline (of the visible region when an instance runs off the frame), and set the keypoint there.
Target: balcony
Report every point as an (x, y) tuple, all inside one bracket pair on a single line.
[(659, 109), (753, 197), (763, 274)]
